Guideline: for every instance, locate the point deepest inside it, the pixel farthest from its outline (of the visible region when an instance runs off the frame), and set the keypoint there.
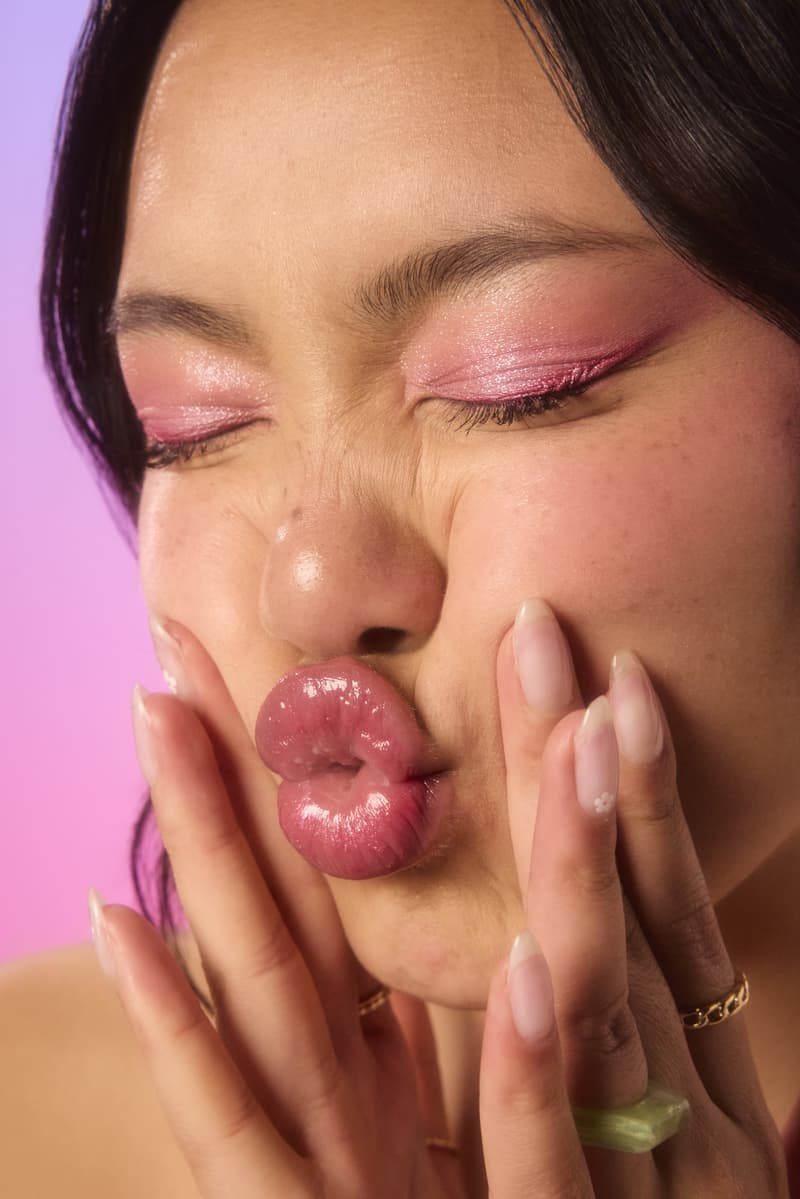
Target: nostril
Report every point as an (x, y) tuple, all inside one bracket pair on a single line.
[(380, 641)]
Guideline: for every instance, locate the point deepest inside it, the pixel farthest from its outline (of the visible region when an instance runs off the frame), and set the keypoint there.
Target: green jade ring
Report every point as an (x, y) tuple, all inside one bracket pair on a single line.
[(637, 1127)]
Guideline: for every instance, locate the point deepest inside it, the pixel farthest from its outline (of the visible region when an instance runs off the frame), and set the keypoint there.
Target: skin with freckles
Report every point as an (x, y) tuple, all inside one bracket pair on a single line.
[(287, 156)]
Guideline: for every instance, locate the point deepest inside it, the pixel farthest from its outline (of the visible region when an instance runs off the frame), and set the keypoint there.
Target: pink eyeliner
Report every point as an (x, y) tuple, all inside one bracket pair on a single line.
[(529, 344), (509, 379)]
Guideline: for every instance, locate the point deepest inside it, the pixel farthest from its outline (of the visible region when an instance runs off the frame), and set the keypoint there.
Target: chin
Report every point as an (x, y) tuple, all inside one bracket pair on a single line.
[(438, 941)]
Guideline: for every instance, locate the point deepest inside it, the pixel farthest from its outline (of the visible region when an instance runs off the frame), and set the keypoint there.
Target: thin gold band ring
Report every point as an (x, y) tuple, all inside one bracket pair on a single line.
[(443, 1144), (719, 1009), (372, 1002)]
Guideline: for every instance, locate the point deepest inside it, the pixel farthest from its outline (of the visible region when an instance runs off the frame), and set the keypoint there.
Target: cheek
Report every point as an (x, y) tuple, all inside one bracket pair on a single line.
[(164, 531), (178, 530), (200, 557), (641, 530)]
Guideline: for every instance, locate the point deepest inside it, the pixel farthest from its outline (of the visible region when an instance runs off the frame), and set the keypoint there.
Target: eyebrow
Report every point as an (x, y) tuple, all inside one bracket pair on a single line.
[(157, 312), (397, 290)]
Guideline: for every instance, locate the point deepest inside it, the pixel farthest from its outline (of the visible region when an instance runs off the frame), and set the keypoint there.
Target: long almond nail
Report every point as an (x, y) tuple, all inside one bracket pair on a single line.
[(637, 718), (170, 659), (597, 760), (542, 657), (530, 991), (102, 943), (143, 733)]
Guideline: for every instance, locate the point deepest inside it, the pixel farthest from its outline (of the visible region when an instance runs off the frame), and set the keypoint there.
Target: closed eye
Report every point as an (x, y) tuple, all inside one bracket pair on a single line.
[(470, 414), (167, 453)]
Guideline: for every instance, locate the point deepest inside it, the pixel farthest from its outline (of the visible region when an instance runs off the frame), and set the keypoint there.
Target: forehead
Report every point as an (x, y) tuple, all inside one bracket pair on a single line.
[(280, 134)]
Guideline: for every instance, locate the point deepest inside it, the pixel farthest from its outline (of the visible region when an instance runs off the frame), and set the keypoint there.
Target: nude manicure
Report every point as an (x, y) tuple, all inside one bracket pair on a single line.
[(102, 944), (143, 733), (542, 658), (530, 991), (637, 718), (170, 659), (597, 760)]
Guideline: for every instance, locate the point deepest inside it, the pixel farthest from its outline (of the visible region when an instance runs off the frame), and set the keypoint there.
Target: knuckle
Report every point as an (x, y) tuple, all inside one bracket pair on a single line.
[(569, 1189), (550, 1177), (203, 1150), (273, 953), (542, 1093), (242, 1116), (214, 835), (181, 1027), (220, 837), (656, 804), (543, 1101), (694, 931), (594, 878), (735, 1164), (193, 1024), (323, 1091), (603, 1032)]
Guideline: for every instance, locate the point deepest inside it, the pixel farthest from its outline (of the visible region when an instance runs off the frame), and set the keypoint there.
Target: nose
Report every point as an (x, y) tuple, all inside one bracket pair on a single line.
[(348, 578)]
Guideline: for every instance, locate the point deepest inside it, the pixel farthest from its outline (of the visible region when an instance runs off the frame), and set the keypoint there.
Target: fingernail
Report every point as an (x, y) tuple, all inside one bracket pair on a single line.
[(102, 943), (542, 658), (530, 991), (597, 760), (143, 733), (170, 659), (637, 719)]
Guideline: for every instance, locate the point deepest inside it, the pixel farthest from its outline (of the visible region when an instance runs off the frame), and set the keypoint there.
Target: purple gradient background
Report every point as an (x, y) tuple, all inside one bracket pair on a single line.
[(72, 620)]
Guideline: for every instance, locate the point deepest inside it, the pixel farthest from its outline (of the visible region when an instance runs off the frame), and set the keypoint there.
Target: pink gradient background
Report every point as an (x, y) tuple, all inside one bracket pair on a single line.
[(72, 621)]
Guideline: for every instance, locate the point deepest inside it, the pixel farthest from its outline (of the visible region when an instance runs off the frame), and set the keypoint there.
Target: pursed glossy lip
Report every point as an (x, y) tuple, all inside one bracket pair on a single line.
[(361, 794)]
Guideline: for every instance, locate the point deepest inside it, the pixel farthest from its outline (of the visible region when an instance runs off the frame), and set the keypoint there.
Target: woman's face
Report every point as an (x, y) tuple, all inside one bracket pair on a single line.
[(305, 171)]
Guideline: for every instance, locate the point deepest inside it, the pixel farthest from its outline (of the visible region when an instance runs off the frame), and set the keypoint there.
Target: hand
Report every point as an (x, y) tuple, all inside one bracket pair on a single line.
[(287, 1093), (627, 949)]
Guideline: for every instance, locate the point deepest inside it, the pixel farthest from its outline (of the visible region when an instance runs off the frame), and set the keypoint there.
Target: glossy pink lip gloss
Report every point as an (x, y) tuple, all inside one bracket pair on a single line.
[(359, 798)]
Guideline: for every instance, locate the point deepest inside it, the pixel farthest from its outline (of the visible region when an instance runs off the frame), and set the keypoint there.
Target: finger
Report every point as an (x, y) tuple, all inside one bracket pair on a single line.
[(536, 687), (572, 895), (529, 1139), (414, 1021), (228, 1143), (300, 892), (415, 1024), (667, 887), (574, 902), (268, 1007)]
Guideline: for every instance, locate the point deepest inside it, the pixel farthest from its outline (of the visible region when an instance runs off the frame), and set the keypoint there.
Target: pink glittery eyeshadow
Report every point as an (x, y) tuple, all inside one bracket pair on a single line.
[(192, 394), (178, 422)]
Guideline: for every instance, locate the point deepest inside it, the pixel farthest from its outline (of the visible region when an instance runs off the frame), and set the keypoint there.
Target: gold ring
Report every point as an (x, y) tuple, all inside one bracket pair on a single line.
[(443, 1144), (373, 1001), (719, 1009)]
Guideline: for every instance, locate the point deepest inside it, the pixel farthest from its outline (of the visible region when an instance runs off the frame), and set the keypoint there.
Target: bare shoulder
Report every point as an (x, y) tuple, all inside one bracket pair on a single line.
[(78, 1114)]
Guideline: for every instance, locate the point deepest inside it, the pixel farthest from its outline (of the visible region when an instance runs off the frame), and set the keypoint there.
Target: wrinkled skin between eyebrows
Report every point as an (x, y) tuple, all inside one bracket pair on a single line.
[(287, 155)]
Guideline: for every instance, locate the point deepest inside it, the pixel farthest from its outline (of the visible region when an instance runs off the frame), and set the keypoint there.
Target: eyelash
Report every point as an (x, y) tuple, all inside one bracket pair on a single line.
[(167, 453), (468, 415)]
